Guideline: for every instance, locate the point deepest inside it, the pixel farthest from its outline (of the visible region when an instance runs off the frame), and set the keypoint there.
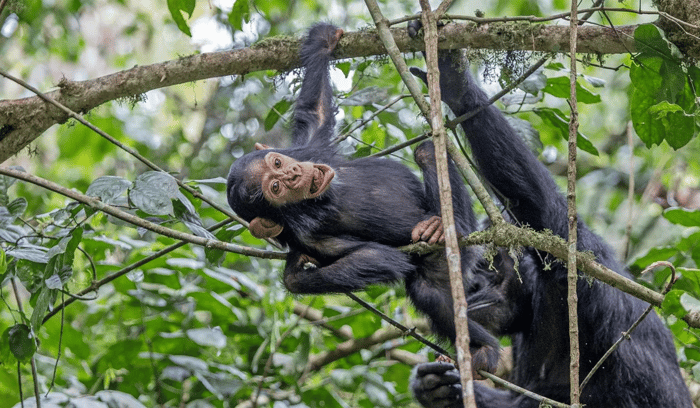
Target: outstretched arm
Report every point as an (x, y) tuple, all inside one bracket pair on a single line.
[(347, 265), (314, 114)]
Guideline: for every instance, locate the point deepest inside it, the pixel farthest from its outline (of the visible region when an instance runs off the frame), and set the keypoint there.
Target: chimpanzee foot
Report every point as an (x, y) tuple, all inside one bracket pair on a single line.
[(484, 358), (322, 37)]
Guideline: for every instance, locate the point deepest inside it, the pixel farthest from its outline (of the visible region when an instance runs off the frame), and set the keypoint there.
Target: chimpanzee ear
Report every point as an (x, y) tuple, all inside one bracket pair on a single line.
[(260, 146), (264, 228)]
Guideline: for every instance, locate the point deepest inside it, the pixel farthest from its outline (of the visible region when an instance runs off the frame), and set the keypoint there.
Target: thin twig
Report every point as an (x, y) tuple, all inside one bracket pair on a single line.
[(406, 331), (572, 270), (503, 383), (559, 16), (391, 48), (345, 135), (459, 119), (452, 251)]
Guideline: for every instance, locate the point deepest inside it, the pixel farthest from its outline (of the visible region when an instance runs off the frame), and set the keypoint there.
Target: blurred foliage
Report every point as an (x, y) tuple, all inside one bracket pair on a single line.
[(198, 328)]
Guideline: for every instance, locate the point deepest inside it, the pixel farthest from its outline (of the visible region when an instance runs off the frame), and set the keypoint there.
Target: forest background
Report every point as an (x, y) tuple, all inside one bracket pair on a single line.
[(153, 318)]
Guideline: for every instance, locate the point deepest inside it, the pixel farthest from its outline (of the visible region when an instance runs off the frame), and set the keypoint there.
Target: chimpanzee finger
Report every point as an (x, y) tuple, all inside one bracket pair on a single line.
[(432, 231), (437, 234), (437, 367)]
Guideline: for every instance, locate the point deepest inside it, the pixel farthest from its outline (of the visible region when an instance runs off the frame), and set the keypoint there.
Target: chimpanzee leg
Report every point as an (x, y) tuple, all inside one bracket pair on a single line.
[(432, 294), (461, 201)]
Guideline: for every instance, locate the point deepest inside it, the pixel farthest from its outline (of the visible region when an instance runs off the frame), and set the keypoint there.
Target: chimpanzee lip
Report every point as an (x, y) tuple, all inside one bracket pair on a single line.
[(321, 181)]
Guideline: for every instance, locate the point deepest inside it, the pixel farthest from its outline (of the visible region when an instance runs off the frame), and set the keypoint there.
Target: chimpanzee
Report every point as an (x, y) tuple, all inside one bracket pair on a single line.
[(342, 220), (642, 372)]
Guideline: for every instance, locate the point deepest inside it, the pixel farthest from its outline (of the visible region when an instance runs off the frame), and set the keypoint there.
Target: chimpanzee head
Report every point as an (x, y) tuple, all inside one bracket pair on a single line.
[(262, 182)]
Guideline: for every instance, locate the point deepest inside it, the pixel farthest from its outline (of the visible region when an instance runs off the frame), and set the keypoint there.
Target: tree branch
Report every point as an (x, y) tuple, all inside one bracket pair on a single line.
[(140, 222), (23, 120)]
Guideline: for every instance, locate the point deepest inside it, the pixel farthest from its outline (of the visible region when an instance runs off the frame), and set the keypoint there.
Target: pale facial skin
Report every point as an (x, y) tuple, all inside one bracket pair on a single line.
[(285, 180)]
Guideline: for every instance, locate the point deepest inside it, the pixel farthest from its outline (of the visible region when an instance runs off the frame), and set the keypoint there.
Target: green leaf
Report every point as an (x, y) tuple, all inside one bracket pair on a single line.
[(681, 216), (276, 113), (42, 304), (30, 253), (176, 7), (556, 119), (3, 265), (207, 337), (679, 128), (153, 193), (561, 88), (672, 303), (662, 96), (650, 40), (216, 256), (20, 342), (344, 67), (108, 188), (239, 13)]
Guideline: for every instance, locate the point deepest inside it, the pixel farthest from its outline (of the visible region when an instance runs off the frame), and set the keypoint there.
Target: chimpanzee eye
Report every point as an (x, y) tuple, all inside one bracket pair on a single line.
[(278, 163), (276, 187)]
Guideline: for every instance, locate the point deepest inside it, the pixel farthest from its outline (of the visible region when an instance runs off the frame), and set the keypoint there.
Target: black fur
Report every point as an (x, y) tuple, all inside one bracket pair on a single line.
[(642, 372)]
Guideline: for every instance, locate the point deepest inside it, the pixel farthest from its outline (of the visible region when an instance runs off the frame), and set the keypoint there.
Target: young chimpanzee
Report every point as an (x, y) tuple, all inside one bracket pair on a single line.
[(342, 220), (643, 372)]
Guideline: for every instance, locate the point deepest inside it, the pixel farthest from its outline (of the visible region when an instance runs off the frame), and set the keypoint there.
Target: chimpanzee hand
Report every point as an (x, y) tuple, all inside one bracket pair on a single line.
[(436, 385), (430, 231)]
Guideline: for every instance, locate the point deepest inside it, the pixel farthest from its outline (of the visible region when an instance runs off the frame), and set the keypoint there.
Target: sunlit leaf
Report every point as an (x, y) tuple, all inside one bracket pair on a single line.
[(682, 216)]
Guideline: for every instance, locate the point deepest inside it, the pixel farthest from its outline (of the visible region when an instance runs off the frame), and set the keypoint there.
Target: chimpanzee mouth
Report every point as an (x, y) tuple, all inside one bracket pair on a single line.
[(314, 188), (321, 180)]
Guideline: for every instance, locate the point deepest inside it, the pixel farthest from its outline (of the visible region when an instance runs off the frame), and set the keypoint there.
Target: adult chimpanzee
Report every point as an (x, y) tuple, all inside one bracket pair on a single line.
[(342, 220), (642, 372)]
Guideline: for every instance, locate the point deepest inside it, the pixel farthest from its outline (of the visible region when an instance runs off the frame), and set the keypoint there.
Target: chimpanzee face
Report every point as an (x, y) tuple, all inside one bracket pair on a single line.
[(284, 180)]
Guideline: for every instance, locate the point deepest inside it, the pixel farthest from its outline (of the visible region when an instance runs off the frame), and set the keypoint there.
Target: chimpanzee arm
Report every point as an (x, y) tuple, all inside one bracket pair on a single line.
[(503, 158), (356, 265), (314, 114)]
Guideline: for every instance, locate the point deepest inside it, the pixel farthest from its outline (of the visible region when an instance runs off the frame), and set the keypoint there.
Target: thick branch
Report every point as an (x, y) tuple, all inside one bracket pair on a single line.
[(23, 120), (508, 235)]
